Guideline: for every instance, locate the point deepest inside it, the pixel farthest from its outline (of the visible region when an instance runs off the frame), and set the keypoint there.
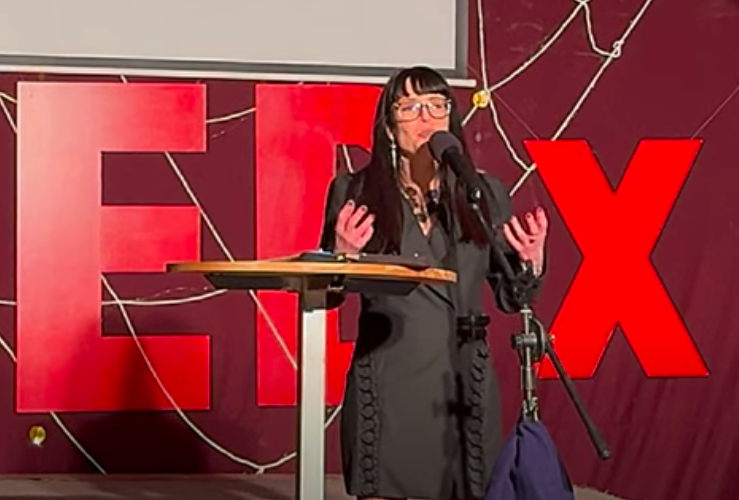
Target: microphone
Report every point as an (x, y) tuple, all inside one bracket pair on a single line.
[(446, 148)]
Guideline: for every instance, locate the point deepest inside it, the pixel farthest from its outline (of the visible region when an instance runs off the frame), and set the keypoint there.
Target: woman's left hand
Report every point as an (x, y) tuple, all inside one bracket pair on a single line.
[(529, 242)]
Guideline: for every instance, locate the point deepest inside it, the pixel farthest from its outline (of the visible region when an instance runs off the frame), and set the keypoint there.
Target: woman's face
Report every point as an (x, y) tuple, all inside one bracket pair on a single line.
[(417, 117)]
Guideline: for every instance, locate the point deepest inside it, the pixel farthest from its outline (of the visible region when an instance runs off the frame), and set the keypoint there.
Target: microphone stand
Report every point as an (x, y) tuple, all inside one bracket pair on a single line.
[(533, 343)]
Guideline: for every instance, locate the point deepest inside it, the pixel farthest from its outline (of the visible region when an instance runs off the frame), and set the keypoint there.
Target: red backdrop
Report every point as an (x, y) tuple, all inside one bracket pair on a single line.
[(642, 237)]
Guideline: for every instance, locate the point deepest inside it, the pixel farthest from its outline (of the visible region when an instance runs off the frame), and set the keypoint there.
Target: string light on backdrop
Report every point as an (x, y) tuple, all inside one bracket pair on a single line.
[(483, 98), (37, 435)]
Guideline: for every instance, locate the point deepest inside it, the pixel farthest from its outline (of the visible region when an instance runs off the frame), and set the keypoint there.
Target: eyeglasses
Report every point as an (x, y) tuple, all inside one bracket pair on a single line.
[(437, 108)]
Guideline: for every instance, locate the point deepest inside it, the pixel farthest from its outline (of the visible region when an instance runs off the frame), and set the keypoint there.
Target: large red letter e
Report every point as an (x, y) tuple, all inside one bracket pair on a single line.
[(65, 240)]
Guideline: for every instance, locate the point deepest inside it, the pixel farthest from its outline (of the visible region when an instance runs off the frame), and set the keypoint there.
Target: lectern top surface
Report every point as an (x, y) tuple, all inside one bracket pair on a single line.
[(290, 266)]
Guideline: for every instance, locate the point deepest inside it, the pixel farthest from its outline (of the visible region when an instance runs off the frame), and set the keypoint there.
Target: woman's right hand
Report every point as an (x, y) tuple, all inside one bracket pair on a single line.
[(353, 229)]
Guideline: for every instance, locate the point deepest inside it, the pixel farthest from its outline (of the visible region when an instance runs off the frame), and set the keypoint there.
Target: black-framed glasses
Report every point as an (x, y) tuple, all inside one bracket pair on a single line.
[(436, 108)]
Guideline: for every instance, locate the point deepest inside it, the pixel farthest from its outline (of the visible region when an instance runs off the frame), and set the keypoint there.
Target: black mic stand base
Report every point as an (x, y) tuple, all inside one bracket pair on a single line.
[(533, 343)]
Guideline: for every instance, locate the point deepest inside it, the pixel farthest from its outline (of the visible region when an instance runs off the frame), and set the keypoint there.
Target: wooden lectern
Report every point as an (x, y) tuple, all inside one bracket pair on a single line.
[(314, 279)]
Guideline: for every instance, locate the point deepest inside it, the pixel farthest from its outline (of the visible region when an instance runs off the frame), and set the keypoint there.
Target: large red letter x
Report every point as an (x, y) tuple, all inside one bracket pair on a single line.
[(616, 232), (66, 240)]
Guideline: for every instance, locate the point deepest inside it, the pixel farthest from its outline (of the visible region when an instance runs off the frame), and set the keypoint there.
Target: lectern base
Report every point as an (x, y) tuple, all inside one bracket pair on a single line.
[(311, 348)]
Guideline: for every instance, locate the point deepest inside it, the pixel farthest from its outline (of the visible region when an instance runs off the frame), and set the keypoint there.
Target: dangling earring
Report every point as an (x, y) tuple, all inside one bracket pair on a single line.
[(393, 153)]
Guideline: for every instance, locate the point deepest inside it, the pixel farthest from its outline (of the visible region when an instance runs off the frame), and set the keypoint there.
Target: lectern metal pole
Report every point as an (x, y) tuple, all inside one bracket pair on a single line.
[(310, 473)]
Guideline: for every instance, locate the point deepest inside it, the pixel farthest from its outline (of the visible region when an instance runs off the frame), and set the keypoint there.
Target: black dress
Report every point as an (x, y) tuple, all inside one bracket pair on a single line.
[(421, 411)]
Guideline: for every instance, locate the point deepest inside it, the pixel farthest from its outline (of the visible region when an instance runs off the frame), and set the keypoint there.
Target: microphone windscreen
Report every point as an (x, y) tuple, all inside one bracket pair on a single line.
[(442, 141)]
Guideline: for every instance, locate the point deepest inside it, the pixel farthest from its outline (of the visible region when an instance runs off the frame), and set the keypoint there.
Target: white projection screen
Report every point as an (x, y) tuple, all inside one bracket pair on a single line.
[(332, 40)]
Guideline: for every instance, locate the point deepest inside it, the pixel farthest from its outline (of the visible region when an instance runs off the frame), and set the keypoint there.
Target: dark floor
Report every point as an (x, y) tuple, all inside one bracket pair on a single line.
[(210, 487)]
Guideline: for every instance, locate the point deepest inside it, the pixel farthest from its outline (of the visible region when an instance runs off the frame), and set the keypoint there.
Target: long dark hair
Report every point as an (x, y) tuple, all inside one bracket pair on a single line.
[(377, 184)]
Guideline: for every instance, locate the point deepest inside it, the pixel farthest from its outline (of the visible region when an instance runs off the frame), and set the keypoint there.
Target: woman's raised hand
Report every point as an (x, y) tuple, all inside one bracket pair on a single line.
[(354, 228)]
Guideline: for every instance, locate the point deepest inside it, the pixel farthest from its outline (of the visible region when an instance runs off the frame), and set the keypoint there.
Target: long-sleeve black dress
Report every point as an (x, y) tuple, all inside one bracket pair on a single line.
[(421, 414)]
